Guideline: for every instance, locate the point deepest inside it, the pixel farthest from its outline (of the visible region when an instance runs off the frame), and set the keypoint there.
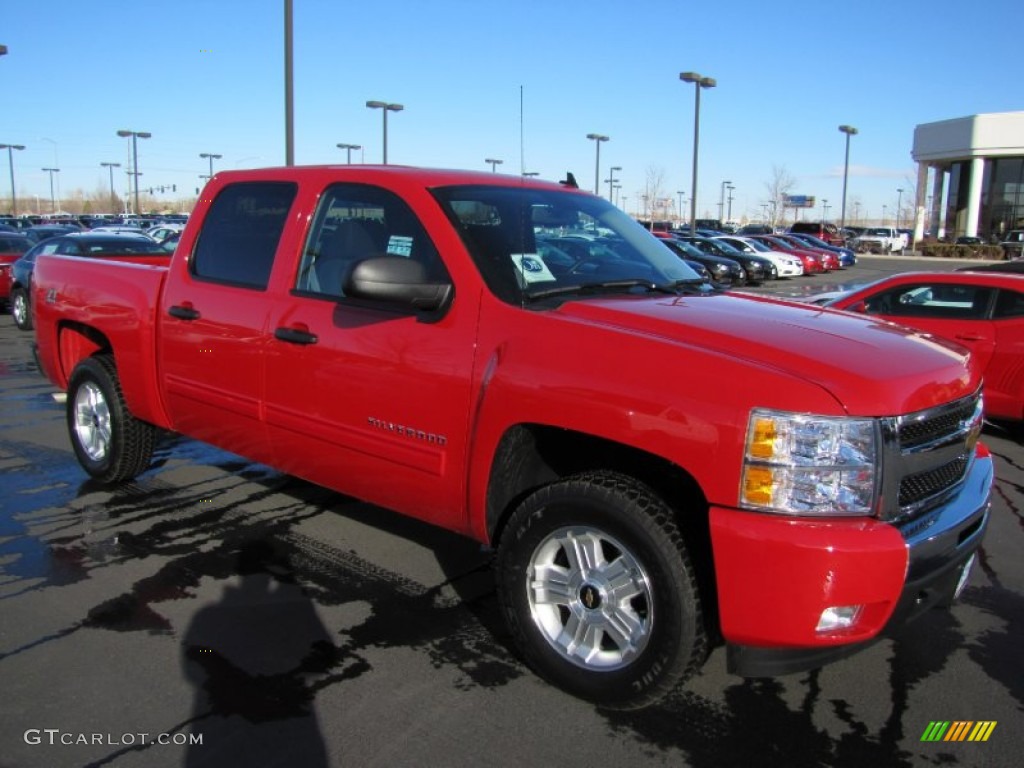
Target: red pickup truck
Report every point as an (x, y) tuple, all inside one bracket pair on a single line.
[(659, 467)]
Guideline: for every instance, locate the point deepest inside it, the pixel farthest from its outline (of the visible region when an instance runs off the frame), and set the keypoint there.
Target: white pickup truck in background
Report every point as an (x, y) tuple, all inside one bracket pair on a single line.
[(879, 240)]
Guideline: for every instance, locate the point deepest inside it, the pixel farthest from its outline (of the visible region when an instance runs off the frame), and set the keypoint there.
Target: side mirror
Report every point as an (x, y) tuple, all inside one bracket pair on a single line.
[(397, 280)]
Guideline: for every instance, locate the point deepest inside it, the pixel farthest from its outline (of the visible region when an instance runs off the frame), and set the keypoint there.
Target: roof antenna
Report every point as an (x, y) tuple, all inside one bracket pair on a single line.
[(569, 181)]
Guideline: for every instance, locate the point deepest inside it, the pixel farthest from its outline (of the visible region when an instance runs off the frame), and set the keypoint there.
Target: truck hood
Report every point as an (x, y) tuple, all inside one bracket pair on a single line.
[(872, 367)]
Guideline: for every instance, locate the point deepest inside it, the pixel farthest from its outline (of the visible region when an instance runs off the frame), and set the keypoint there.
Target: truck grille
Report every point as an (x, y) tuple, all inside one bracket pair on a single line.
[(927, 456), (924, 485)]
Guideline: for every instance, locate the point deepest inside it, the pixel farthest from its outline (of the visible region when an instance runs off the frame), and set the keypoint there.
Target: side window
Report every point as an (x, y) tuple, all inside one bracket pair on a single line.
[(1009, 304), (241, 232), (355, 222), (68, 248), (934, 300)]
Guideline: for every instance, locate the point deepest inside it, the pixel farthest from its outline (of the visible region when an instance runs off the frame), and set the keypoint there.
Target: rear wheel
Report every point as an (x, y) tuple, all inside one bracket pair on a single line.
[(599, 592), (19, 309), (110, 443)]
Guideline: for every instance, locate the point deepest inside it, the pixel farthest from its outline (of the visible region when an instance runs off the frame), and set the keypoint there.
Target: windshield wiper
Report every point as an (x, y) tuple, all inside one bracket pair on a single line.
[(674, 288)]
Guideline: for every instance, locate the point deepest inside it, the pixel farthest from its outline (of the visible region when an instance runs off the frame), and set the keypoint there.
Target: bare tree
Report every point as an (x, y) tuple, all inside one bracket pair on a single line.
[(779, 186), (654, 191)]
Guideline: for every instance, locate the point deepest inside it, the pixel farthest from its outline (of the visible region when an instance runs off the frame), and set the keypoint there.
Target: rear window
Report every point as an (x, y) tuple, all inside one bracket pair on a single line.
[(241, 232)]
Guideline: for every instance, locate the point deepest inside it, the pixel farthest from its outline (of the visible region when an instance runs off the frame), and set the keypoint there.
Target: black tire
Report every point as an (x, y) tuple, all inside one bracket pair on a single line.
[(632, 531), (110, 443), (20, 309)]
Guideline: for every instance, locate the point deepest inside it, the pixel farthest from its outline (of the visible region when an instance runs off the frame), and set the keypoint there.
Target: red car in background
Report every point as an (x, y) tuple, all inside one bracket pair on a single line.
[(12, 246), (983, 311), (813, 263), (829, 259), (139, 249)]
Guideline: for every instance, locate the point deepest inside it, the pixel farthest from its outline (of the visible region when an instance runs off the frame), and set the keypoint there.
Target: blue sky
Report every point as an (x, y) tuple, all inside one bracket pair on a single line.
[(207, 76)]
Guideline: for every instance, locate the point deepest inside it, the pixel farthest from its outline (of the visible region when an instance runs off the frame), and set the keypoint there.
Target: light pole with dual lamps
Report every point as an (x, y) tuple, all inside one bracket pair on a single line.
[(597, 139), (611, 182), (494, 163), (721, 200), (348, 148), (10, 162), (385, 107), (699, 81), (111, 167), (731, 189), (849, 130), (135, 135), (53, 201), (899, 206), (211, 157)]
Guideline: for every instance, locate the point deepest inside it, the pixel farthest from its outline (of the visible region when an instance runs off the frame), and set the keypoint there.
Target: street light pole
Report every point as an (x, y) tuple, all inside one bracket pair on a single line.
[(135, 158), (10, 161), (849, 130), (611, 181), (53, 202), (899, 206), (730, 188), (111, 166), (721, 200), (699, 81), (348, 148), (824, 210), (385, 107), (211, 158), (289, 91), (494, 164), (597, 138)]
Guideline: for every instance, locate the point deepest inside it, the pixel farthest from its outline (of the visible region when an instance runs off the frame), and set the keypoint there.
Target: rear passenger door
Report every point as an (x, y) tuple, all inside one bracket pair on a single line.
[(213, 321)]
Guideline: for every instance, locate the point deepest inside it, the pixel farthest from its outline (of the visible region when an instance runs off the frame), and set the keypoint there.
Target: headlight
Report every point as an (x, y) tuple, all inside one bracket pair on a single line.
[(802, 464)]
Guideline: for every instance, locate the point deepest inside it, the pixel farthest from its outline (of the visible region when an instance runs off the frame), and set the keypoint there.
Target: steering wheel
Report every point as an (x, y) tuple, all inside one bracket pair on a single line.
[(580, 263)]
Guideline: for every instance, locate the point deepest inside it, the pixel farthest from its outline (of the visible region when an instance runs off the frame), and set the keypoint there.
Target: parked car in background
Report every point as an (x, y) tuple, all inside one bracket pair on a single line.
[(162, 231), (12, 247), (1013, 244), (785, 264), (847, 256), (119, 229), (829, 258), (40, 232), (983, 311), (755, 229), (820, 229), (878, 240), (135, 248), (813, 263), (725, 273), (758, 268)]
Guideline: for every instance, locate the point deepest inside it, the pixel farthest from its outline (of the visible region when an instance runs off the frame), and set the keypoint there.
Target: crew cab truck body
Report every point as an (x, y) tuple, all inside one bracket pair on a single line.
[(658, 467)]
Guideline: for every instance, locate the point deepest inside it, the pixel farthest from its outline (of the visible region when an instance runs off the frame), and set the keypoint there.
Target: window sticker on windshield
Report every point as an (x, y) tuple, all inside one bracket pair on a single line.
[(400, 245), (532, 268)]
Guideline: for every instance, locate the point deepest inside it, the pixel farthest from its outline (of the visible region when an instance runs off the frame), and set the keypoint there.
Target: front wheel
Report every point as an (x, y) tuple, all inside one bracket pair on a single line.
[(19, 309), (599, 592), (110, 443)]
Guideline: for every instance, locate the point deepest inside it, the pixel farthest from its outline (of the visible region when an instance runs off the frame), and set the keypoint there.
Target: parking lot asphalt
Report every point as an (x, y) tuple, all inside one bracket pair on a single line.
[(217, 613)]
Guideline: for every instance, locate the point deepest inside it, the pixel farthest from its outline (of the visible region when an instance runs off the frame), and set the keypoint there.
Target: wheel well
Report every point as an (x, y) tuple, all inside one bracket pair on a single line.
[(531, 455), (78, 342)]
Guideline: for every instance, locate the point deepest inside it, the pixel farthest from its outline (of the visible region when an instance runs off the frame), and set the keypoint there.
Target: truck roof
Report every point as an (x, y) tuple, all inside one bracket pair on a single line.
[(427, 177)]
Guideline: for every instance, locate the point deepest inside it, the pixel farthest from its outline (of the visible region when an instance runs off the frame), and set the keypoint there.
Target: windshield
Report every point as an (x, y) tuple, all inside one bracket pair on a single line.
[(531, 243), (757, 245)]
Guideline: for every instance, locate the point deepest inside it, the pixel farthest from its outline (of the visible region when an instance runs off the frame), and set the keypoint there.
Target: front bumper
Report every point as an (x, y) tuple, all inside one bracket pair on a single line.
[(776, 575)]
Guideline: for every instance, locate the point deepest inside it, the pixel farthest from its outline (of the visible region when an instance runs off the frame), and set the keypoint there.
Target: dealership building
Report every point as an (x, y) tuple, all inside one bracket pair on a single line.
[(977, 167)]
